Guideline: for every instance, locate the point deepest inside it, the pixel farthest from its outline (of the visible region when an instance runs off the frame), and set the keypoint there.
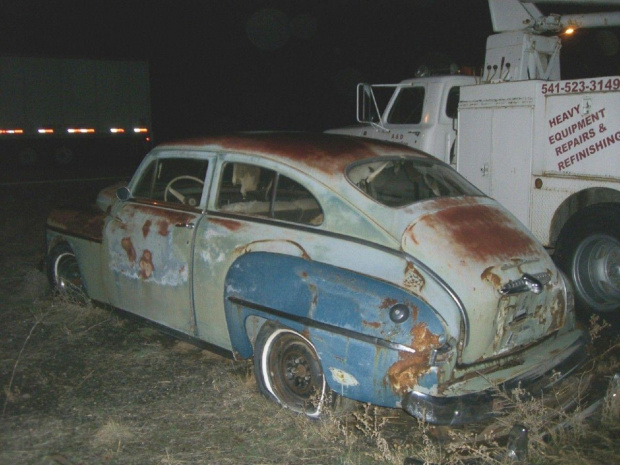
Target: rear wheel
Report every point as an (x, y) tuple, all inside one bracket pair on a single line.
[(589, 252), (288, 370), (64, 274)]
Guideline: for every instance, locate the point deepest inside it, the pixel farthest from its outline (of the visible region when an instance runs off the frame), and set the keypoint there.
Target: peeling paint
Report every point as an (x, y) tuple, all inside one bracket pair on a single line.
[(146, 264), (387, 303), (405, 373), (413, 280), (163, 227), (490, 277), (481, 232), (231, 225), (146, 228), (129, 249), (371, 324), (343, 378), (85, 223)]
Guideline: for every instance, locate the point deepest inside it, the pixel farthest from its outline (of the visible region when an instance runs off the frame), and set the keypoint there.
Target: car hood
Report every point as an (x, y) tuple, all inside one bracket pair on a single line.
[(482, 253)]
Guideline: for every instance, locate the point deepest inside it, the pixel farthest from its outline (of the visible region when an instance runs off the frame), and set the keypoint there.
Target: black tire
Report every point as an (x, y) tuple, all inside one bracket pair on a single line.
[(288, 370), (64, 274), (589, 253)]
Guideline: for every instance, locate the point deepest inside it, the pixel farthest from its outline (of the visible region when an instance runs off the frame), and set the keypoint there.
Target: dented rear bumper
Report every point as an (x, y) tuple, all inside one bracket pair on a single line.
[(483, 405)]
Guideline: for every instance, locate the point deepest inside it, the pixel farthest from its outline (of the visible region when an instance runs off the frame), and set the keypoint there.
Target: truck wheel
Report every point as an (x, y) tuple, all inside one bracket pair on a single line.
[(288, 370), (589, 252), (64, 274)]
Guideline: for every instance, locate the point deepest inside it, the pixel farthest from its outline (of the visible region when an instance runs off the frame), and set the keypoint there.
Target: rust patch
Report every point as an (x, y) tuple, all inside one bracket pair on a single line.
[(482, 232), (231, 225), (405, 373), (163, 228), (146, 264), (413, 280), (557, 309), (323, 152), (387, 303), (146, 227), (489, 276), (85, 223), (127, 245), (371, 324)]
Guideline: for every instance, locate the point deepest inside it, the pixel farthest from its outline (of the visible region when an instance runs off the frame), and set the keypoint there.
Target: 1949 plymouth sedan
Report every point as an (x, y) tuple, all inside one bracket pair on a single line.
[(343, 266)]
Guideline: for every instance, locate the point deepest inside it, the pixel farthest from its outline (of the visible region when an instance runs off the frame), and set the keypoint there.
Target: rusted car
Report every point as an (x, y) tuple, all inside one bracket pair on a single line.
[(343, 266)]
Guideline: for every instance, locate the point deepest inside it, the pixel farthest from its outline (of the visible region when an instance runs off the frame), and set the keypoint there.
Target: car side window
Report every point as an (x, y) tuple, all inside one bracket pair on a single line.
[(173, 180), (253, 190)]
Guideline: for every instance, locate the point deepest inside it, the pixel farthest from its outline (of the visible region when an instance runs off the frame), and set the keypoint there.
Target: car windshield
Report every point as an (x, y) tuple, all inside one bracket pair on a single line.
[(400, 182)]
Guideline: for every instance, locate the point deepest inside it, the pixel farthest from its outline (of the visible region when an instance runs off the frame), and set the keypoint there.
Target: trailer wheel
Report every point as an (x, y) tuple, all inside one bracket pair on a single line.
[(589, 252), (288, 370), (64, 274)]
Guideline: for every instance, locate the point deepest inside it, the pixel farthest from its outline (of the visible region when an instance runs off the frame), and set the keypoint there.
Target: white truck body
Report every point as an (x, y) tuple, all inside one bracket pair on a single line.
[(543, 149)]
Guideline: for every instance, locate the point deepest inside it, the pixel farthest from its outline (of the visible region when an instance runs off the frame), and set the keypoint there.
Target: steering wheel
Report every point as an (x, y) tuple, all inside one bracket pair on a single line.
[(176, 194)]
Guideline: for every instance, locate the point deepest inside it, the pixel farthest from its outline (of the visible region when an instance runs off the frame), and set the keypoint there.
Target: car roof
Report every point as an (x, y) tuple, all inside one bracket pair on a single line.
[(315, 152)]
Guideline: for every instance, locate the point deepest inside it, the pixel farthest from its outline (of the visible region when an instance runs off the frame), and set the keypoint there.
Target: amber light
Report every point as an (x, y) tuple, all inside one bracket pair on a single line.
[(80, 130), (569, 31), (117, 130), (140, 130), (11, 131), (45, 131), (538, 183)]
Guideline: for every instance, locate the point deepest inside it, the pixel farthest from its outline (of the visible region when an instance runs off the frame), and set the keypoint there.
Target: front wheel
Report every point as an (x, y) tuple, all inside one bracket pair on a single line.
[(288, 370), (589, 252), (64, 274)]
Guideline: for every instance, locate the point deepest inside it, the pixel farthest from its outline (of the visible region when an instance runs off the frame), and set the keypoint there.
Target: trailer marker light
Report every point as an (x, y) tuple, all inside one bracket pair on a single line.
[(117, 130), (45, 131), (80, 130), (11, 131), (140, 130)]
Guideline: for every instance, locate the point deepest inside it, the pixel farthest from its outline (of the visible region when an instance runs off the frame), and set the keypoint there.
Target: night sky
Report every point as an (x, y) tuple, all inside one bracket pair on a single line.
[(229, 65)]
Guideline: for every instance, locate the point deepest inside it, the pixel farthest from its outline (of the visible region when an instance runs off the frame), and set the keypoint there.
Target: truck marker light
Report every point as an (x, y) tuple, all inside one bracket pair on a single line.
[(45, 131), (117, 130), (80, 130), (140, 130), (11, 131)]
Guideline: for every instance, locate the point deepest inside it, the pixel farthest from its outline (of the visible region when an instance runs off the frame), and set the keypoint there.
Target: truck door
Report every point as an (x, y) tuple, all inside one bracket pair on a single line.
[(494, 153)]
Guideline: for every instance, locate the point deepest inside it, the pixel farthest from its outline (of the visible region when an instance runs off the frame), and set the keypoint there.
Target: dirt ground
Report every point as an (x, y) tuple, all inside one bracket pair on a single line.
[(84, 385)]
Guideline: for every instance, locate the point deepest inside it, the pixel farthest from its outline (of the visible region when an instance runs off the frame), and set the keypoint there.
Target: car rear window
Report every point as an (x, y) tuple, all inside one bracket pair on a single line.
[(400, 182)]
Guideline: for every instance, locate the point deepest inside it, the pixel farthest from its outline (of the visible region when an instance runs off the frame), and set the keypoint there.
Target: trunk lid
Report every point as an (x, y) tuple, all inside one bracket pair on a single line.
[(510, 288)]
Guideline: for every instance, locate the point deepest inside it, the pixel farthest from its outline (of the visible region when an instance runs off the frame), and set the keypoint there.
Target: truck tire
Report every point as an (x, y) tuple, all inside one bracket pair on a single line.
[(589, 253), (288, 370)]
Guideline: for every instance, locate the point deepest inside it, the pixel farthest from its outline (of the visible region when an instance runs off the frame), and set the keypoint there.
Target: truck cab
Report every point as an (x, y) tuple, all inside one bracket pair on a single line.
[(420, 112)]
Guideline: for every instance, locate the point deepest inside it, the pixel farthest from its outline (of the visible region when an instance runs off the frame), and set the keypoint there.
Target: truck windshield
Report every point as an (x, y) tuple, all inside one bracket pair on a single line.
[(400, 182), (408, 106)]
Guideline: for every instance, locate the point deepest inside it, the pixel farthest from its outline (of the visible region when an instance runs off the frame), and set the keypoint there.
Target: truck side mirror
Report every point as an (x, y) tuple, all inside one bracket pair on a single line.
[(367, 111)]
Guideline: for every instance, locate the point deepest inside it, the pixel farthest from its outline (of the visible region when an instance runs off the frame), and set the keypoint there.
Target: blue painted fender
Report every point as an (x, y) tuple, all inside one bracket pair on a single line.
[(344, 314)]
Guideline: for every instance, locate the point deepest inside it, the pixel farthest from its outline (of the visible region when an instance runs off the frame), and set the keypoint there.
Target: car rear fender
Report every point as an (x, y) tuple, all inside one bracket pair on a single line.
[(365, 355)]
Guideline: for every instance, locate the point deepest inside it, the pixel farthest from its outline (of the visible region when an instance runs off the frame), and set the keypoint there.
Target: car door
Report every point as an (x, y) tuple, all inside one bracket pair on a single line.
[(148, 239)]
